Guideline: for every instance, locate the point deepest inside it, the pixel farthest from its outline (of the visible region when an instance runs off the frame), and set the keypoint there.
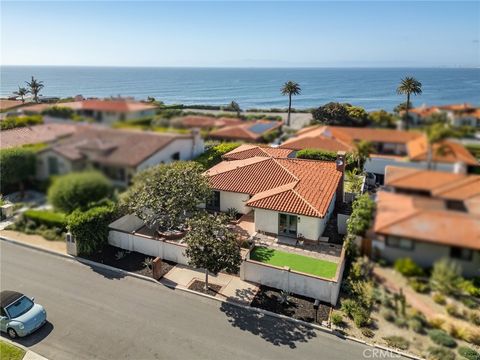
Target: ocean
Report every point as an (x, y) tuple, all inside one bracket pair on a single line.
[(372, 88)]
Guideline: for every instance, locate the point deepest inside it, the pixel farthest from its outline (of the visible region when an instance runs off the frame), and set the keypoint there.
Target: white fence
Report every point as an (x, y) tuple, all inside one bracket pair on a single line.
[(325, 290), (166, 250)]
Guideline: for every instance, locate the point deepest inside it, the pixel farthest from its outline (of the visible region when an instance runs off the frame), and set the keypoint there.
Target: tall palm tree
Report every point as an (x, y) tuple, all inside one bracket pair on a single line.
[(290, 88), (409, 86), (21, 92), (436, 133), (362, 152), (35, 87)]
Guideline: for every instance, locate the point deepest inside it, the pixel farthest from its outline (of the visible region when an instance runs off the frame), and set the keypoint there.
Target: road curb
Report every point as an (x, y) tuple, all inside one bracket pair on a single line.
[(181, 288), (29, 354)]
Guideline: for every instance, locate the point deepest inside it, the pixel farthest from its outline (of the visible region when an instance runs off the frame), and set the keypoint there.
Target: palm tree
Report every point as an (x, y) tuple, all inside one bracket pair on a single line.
[(436, 133), (235, 107), (290, 88), (34, 88), (408, 86), (362, 152), (21, 92)]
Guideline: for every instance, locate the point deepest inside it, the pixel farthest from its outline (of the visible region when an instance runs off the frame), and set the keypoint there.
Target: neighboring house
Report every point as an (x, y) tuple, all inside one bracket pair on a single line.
[(249, 131), (38, 134), (119, 154), (102, 111), (246, 151), (289, 197), (206, 122), (391, 147), (427, 216), (458, 114)]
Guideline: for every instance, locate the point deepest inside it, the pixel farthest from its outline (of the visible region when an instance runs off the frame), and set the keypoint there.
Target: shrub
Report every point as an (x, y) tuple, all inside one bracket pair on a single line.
[(388, 315), (468, 353), (315, 154), (474, 317), (59, 112), (446, 276), (407, 267), (401, 322), (15, 122), (415, 325), (336, 318), (367, 332), (398, 342), (452, 310), (471, 287), (436, 322), (439, 298), (440, 337), (213, 155), (469, 302), (90, 228), (361, 316), (439, 353), (348, 307), (48, 218), (419, 285), (16, 166), (79, 190), (362, 214)]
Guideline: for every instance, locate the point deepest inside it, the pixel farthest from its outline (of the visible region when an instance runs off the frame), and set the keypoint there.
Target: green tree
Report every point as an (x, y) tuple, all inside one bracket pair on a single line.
[(358, 115), (361, 153), (290, 88), (35, 87), (436, 133), (446, 276), (212, 246), (402, 107), (79, 190), (22, 92), (235, 107), (332, 114), (17, 165), (213, 154), (409, 86), (382, 118), (362, 215), (164, 196)]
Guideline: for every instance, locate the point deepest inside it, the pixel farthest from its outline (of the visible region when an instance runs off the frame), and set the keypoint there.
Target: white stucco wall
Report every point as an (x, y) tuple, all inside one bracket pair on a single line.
[(377, 165), (42, 170), (234, 200), (425, 255)]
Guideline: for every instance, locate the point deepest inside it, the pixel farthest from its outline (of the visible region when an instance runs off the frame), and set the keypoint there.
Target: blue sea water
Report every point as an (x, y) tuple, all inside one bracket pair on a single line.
[(372, 88)]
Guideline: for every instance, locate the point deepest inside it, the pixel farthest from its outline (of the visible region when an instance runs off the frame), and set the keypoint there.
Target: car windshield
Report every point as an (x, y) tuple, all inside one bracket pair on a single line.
[(19, 307)]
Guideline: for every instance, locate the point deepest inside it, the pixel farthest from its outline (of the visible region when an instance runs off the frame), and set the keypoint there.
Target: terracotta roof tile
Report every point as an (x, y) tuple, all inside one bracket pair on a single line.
[(246, 131), (44, 133), (207, 121), (246, 151)]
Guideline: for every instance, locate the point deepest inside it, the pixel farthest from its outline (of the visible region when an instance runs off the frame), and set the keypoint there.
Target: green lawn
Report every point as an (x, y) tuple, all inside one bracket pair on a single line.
[(305, 264), (10, 352)]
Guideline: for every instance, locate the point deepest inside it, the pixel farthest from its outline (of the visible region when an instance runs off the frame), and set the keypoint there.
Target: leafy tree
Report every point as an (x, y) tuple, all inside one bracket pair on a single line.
[(235, 107), (290, 88), (439, 117), (22, 92), (60, 112), (17, 165), (340, 115), (353, 181), (79, 190), (164, 196), (402, 107), (436, 133), (382, 118), (446, 276), (358, 115), (35, 87), (316, 154), (409, 86), (213, 155), (212, 245), (362, 215), (361, 153)]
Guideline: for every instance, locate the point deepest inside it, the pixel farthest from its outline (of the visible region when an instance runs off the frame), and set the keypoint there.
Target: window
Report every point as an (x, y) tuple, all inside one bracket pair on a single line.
[(213, 203), (396, 242), (456, 205), (176, 156), (461, 253), (2, 312), (53, 165)]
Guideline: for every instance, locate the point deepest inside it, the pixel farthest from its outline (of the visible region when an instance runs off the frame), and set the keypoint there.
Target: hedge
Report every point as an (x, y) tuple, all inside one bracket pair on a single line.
[(15, 122), (315, 154), (48, 218), (468, 353), (213, 155), (16, 166), (407, 267), (90, 228)]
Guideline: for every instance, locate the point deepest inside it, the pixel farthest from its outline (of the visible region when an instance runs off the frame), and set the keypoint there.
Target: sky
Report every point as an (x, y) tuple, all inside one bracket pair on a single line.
[(241, 34)]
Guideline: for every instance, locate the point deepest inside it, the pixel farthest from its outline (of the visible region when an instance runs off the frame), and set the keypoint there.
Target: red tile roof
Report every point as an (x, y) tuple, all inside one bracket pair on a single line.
[(207, 121), (304, 187), (95, 105), (44, 133), (245, 131), (445, 151), (246, 151), (9, 104)]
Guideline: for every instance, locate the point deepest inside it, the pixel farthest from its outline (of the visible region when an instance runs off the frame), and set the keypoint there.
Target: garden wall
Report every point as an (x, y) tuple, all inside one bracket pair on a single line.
[(326, 290), (166, 250)]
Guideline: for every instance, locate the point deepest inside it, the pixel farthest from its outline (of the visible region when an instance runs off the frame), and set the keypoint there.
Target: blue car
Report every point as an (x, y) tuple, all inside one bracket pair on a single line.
[(20, 316)]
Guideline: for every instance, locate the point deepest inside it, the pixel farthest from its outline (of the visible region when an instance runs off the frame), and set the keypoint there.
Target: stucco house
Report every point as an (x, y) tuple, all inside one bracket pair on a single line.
[(428, 215), (391, 147), (289, 197), (457, 114), (119, 154), (248, 131)]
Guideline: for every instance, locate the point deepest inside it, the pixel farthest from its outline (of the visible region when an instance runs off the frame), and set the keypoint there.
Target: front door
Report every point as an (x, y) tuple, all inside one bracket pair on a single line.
[(287, 225)]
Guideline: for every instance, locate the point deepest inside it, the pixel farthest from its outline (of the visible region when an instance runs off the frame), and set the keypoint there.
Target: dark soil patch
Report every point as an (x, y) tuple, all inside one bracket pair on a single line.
[(199, 286), (297, 307), (132, 261)]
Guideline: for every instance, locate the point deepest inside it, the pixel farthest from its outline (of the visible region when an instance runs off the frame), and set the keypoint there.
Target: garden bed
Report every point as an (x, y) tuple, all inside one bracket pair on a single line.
[(132, 262), (199, 286), (297, 307)]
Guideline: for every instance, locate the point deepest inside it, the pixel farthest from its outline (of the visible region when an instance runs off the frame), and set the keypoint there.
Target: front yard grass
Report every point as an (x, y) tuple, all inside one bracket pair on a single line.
[(10, 352), (305, 264)]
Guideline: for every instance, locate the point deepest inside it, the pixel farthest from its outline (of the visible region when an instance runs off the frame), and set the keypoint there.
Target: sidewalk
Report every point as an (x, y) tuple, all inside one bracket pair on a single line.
[(35, 240), (29, 354), (233, 288)]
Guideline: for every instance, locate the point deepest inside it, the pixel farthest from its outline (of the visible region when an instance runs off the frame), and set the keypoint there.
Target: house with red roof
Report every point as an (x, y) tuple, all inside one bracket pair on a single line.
[(428, 215), (458, 114), (247, 131)]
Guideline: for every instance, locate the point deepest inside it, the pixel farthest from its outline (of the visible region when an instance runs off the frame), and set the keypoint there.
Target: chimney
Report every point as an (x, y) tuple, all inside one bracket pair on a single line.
[(340, 163)]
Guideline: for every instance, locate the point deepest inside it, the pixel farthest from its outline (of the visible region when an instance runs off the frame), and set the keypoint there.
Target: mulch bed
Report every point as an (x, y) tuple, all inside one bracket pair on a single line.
[(199, 286), (297, 307), (132, 262)]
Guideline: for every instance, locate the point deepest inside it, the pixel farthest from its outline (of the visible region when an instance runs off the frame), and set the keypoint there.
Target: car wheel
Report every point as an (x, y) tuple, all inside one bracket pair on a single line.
[(12, 333)]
